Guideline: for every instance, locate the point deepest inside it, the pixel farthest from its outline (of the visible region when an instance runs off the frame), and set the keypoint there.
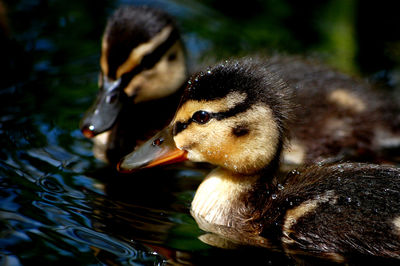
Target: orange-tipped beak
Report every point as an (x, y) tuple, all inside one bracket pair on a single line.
[(174, 156), (159, 150)]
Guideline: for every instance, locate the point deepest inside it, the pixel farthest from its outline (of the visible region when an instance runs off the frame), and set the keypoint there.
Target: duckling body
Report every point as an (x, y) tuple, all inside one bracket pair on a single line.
[(331, 211), (236, 115), (142, 69), (335, 212)]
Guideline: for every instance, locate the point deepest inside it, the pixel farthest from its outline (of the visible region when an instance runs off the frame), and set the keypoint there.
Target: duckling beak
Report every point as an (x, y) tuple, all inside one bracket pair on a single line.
[(159, 150), (105, 110)]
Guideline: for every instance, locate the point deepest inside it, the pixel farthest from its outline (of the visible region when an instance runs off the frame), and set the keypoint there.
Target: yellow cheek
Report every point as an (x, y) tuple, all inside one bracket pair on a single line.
[(215, 143), (160, 81)]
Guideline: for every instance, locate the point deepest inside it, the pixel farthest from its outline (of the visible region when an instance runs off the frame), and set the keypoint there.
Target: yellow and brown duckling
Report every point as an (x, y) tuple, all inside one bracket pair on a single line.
[(332, 117), (235, 115), (142, 69)]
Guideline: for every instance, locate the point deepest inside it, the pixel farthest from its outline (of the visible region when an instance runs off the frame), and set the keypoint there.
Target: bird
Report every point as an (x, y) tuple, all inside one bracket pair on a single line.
[(332, 116), (143, 66), (237, 115)]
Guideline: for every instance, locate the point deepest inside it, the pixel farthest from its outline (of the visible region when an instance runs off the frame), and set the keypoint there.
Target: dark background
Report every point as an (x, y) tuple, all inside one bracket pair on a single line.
[(53, 205)]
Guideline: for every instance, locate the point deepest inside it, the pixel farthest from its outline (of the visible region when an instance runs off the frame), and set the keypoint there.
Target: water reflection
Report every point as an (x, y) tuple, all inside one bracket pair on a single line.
[(57, 203), (45, 213)]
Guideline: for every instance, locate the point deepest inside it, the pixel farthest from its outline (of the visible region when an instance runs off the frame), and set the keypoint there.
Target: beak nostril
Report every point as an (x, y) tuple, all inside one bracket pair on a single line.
[(88, 131)]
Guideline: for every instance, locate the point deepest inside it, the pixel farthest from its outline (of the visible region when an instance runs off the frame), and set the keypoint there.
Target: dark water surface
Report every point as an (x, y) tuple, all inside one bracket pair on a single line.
[(58, 204)]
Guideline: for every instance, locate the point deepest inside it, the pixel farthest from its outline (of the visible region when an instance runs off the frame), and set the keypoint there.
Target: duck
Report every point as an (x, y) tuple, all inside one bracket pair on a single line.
[(333, 117), (236, 115), (143, 67)]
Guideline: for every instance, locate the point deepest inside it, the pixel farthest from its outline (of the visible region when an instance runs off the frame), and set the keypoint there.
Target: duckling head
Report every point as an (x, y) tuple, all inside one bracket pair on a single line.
[(233, 115), (142, 59)]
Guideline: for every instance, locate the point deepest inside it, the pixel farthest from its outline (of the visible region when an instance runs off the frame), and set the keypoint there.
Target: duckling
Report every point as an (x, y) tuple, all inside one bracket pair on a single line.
[(143, 67), (236, 115), (332, 117)]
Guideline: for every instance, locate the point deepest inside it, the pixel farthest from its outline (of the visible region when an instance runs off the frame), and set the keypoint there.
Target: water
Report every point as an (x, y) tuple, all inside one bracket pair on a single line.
[(57, 203)]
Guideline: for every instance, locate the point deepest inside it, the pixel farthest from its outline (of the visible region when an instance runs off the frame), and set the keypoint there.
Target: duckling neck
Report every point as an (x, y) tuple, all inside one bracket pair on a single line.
[(220, 201)]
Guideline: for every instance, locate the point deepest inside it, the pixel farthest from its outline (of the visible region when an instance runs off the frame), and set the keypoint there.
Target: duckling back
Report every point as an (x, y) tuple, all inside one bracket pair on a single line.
[(337, 117), (338, 210)]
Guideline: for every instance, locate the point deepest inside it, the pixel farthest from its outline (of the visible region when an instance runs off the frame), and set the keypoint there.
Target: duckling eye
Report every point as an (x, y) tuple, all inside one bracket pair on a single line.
[(201, 117)]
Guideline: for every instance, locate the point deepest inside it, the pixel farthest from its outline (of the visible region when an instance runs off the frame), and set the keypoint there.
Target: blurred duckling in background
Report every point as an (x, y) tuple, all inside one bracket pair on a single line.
[(236, 115), (336, 117), (142, 69)]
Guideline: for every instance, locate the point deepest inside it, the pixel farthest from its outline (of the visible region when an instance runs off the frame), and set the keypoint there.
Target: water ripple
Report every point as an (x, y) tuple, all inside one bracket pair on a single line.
[(99, 240), (50, 185)]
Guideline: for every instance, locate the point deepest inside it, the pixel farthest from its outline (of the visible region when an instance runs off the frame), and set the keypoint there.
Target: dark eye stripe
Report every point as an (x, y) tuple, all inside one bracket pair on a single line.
[(179, 127), (150, 60), (239, 108), (242, 107)]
